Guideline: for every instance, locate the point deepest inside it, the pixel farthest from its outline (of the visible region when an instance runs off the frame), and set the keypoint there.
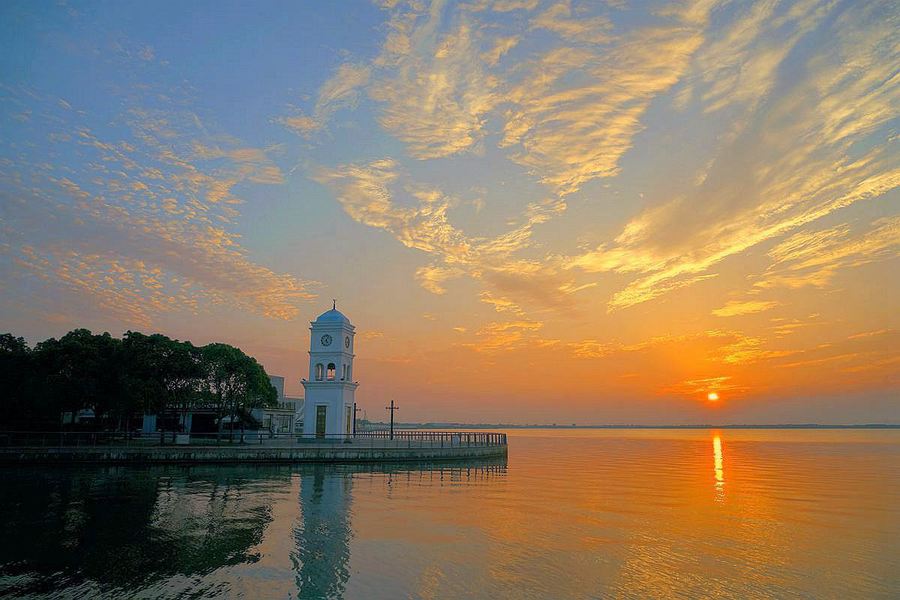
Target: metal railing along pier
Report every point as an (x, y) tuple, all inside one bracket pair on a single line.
[(401, 438)]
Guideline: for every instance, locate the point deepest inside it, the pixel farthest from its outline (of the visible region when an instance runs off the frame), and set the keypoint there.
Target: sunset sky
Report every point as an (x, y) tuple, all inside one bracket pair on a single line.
[(585, 211)]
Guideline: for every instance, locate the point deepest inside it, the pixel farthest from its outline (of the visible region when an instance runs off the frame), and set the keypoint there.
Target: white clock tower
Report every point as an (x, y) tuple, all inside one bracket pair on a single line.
[(330, 389)]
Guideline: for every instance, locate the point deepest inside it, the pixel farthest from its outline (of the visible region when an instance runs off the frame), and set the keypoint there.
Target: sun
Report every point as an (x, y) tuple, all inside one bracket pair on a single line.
[(712, 397)]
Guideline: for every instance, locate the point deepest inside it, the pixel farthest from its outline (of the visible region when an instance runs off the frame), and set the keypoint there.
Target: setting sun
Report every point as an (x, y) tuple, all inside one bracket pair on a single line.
[(712, 397)]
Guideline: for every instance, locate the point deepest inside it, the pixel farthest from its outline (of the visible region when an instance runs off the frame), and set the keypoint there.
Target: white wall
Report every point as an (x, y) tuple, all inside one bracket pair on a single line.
[(277, 382)]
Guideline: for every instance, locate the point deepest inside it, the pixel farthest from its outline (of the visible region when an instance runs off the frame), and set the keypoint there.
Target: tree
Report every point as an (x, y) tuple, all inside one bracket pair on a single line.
[(80, 373), (183, 376), (219, 362), (260, 393), (161, 374), (118, 379), (15, 376), (237, 382)]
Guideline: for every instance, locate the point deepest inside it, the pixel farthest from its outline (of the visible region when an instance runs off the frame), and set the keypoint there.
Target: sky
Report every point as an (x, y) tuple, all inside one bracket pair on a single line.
[(532, 211)]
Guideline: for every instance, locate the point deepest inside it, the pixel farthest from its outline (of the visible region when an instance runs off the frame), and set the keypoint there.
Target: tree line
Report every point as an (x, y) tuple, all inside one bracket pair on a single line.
[(120, 380)]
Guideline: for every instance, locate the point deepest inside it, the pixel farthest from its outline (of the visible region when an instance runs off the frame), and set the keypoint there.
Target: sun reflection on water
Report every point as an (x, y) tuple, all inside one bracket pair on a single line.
[(719, 468)]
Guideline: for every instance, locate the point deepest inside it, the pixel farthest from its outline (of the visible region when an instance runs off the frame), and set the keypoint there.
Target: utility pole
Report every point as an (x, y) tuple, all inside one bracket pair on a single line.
[(392, 408)]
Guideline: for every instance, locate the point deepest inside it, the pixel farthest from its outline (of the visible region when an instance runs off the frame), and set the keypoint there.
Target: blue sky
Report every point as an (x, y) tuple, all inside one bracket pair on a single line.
[(617, 206)]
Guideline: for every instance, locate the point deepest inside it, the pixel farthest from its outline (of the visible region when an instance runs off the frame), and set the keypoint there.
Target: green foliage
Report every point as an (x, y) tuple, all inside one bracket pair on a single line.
[(15, 365), (119, 379), (237, 382)]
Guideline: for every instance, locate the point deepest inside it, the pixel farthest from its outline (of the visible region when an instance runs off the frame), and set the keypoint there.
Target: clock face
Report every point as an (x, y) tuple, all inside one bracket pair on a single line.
[(347, 342), (326, 340)]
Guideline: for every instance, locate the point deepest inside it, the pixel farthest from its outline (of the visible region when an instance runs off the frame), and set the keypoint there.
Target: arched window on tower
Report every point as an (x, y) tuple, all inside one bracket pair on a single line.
[(330, 374), (320, 372), (343, 372)]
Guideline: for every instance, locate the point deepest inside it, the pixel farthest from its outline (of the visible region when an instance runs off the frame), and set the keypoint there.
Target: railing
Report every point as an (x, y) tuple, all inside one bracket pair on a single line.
[(442, 438), (402, 438)]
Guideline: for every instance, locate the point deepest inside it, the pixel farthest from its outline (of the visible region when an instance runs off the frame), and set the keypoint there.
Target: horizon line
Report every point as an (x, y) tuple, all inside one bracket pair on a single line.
[(432, 424)]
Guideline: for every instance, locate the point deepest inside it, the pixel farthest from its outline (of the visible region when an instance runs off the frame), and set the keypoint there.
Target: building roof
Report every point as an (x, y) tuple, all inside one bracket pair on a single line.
[(333, 316)]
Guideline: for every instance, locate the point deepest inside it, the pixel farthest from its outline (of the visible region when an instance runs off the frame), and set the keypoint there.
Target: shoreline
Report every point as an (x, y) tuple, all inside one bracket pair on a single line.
[(132, 455)]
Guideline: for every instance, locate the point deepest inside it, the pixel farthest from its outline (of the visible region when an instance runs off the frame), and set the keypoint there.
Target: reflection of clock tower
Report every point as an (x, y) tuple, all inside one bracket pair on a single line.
[(328, 407)]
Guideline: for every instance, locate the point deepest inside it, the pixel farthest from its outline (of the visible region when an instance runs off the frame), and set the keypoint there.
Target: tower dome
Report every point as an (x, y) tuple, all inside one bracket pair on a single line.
[(333, 316)]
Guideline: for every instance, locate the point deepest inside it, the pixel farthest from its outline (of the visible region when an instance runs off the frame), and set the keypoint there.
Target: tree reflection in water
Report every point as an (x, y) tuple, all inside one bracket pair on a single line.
[(127, 528), (170, 531)]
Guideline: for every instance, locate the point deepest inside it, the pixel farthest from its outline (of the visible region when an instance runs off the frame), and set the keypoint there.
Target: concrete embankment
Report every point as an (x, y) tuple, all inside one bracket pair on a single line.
[(337, 453)]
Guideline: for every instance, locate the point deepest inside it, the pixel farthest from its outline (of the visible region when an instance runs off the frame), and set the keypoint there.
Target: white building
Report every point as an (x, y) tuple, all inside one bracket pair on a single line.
[(296, 404), (330, 389), (283, 417)]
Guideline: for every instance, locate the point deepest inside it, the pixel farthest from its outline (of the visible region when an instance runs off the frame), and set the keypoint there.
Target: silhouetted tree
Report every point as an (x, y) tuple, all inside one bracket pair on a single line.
[(119, 379), (237, 383), (161, 374), (15, 377), (80, 371)]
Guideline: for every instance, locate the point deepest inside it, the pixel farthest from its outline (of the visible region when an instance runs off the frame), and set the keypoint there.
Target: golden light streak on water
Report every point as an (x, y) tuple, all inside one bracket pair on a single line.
[(719, 467)]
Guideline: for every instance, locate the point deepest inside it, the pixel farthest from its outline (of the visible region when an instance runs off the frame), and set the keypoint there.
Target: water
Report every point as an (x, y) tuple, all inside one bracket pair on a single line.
[(572, 514)]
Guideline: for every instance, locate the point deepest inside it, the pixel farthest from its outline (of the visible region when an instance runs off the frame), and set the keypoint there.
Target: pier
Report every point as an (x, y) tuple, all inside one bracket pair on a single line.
[(248, 447)]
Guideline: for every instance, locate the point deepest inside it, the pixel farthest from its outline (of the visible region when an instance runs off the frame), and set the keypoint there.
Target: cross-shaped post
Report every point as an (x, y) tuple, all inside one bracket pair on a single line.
[(356, 410), (392, 408)]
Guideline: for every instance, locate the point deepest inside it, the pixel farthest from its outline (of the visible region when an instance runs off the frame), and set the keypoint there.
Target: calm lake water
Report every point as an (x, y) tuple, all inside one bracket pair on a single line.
[(571, 514)]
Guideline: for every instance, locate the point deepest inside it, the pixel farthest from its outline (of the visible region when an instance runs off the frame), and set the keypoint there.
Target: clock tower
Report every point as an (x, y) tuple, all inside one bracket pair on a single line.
[(330, 389)]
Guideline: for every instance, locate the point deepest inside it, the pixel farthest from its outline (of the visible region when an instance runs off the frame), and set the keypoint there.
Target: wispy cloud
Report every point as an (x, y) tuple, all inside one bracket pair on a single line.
[(870, 334), (793, 167), (500, 303), (744, 307), (340, 91), (591, 349), (434, 87), (505, 335), (576, 109), (748, 349), (559, 18), (379, 194), (366, 193), (740, 63), (501, 46), (144, 224), (812, 258), (433, 277), (568, 115)]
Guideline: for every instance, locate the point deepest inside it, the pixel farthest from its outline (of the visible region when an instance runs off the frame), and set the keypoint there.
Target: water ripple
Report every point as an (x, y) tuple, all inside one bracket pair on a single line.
[(572, 514)]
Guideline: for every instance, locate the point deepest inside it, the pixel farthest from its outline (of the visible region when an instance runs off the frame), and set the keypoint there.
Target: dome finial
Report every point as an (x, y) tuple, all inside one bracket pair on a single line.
[(333, 304)]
